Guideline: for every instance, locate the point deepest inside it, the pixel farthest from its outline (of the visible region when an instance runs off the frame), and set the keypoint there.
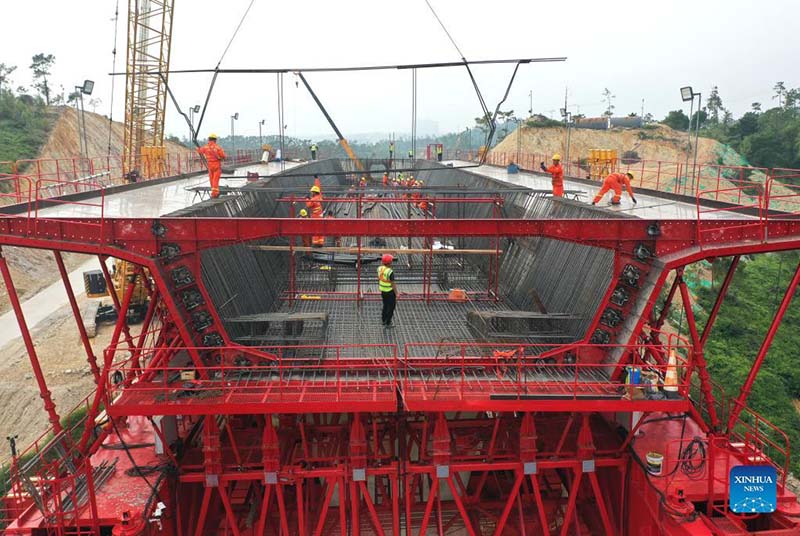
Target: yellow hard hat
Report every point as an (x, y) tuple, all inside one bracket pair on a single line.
[(303, 213), (315, 189), (556, 156), (213, 136)]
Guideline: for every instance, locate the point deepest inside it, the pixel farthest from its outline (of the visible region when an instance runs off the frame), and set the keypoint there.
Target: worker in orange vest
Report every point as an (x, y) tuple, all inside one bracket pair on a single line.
[(557, 172), (385, 179), (616, 182), (214, 156), (314, 205)]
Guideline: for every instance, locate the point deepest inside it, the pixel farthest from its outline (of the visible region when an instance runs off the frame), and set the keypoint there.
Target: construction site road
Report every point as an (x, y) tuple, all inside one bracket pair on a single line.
[(144, 202)]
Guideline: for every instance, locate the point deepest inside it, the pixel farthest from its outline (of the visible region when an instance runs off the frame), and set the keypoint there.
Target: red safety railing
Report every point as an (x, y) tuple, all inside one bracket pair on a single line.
[(52, 475), (375, 372), (758, 441), (337, 373), (714, 181), (478, 370)]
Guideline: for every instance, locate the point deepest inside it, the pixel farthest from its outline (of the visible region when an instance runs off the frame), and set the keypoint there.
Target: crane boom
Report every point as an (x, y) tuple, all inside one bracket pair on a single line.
[(342, 140)]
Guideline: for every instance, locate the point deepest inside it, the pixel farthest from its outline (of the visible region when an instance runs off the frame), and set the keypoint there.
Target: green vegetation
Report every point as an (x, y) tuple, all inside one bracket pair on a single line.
[(745, 316), (25, 120), (768, 138), (24, 126)]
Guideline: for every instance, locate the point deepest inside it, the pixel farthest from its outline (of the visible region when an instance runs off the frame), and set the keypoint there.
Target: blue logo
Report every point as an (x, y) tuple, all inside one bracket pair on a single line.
[(753, 489)]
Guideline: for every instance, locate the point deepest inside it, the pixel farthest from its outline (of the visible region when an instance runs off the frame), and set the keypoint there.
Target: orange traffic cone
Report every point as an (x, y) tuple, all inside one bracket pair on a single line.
[(671, 376)]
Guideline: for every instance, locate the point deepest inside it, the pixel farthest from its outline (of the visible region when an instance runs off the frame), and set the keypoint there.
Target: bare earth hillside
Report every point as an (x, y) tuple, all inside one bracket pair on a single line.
[(718, 163)]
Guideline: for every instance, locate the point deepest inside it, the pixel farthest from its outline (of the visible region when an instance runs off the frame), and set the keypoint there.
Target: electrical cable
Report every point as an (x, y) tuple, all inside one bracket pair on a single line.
[(113, 78), (688, 462)]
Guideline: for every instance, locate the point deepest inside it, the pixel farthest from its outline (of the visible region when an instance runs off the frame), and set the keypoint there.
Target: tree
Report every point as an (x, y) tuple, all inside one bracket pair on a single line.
[(5, 73), (702, 115), (780, 91), (747, 124), (677, 120), (792, 98), (483, 122), (714, 104), (756, 106), (41, 65), (94, 103), (608, 97)]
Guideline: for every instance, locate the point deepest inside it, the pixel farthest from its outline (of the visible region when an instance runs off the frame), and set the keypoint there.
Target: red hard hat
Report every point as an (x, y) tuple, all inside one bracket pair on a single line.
[(386, 259)]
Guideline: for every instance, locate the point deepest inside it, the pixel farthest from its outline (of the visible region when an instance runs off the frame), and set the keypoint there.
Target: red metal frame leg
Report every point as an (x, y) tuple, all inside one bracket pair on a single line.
[(723, 291), (87, 346), (49, 405), (699, 359)]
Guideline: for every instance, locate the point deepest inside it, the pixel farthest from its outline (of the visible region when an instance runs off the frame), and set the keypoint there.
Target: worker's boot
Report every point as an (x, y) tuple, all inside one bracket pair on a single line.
[(615, 202)]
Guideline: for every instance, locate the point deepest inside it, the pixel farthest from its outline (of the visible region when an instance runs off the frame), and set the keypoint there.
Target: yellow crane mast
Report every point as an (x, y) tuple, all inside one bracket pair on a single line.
[(148, 53)]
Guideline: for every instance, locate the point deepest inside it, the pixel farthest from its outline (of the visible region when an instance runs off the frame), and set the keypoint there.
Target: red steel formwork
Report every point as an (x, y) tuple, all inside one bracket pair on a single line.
[(188, 432)]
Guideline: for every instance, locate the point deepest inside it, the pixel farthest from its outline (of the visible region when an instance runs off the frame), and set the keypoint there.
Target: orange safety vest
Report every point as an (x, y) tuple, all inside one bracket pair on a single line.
[(212, 152), (315, 205)]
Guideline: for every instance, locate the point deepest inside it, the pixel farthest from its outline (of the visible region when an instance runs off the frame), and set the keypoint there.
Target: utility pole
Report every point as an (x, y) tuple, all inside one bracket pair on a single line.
[(234, 117), (260, 138), (642, 115), (530, 109)]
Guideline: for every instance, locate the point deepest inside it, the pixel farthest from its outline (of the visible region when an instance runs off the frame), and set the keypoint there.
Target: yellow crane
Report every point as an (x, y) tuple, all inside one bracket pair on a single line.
[(147, 68)]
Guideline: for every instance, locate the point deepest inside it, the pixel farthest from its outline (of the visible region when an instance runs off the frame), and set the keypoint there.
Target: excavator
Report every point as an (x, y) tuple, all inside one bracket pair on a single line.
[(122, 275)]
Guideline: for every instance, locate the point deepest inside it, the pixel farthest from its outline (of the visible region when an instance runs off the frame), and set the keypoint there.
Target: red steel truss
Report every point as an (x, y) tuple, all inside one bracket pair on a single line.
[(388, 439)]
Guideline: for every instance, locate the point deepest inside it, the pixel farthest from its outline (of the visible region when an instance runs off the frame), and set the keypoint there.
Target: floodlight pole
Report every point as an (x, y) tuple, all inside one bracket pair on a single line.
[(689, 149), (696, 139)]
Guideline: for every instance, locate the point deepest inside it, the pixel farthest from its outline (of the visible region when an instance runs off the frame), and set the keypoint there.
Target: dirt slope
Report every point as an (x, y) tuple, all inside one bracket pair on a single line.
[(63, 141), (653, 144)]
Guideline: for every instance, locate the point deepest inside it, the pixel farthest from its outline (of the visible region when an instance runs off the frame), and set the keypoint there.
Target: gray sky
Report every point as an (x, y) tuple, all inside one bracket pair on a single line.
[(639, 50)]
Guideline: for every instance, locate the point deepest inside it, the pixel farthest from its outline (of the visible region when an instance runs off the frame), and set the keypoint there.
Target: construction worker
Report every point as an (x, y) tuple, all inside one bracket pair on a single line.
[(557, 172), (391, 150), (214, 156), (410, 154), (314, 205), (363, 182), (306, 239), (313, 151), (439, 152), (388, 289), (616, 182), (385, 179), (423, 204)]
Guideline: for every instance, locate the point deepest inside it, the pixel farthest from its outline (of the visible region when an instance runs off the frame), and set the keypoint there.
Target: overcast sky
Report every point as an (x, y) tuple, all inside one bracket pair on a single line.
[(639, 50)]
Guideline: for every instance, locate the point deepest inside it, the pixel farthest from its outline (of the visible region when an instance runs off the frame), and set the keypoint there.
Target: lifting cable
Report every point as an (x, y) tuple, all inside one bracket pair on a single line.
[(490, 118), (113, 78)]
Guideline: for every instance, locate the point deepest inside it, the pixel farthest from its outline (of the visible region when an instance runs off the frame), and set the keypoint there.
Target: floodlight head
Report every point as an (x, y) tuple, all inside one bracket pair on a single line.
[(563, 112), (88, 87), (687, 94), (236, 116), (263, 121), (196, 109)]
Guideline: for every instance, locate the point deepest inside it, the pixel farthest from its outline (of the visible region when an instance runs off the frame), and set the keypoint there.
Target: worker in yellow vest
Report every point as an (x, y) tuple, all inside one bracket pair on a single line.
[(388, 289)]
